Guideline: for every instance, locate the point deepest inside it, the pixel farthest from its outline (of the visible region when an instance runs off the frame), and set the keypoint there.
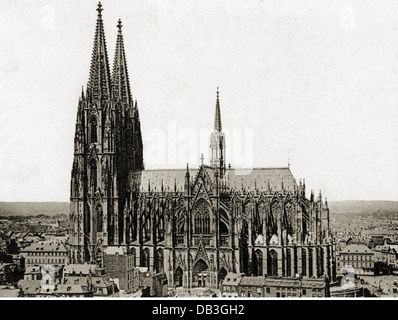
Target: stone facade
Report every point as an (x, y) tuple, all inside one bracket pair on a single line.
[(193, 225), (107, 150), (120, 267)]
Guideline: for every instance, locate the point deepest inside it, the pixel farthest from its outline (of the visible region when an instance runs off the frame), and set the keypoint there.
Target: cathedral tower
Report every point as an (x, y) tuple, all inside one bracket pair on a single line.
[(107, 152)]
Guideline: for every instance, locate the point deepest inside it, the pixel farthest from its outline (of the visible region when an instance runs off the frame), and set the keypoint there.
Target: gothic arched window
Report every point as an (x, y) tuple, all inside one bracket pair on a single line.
[(310, 262), (272, 263), (304, 262), (99, 214), (145, 256), (93, 130), (159, 261), (258, 263), (202, 219), (288, 263)]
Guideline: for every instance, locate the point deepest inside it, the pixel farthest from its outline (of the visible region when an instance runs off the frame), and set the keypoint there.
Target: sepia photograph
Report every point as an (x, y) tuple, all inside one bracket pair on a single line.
[(190, 150)]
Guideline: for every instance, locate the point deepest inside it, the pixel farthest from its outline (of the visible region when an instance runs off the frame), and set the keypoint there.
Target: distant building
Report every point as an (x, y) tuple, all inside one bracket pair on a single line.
[(393, 256), (379, 257), (229, 287), (356, 256), (32, 238), (19, 260), (252, 287), (29, 288), (236, 285), (90, 275), (35, 288), (155, 285), (45, 253), (378, 241), (33, 273), (296, 287), (120, 267), (77, 291), (72, 270)]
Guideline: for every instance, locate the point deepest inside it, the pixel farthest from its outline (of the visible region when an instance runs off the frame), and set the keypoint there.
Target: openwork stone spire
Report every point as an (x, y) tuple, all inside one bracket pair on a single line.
[(99, 81), (217, 118), (120, 78)]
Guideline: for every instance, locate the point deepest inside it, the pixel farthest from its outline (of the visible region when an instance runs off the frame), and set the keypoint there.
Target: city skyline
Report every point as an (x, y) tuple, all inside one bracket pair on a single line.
[(344, 145)]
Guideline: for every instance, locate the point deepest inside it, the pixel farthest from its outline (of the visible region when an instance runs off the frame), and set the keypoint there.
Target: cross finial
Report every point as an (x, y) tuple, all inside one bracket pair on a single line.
[(119, 25), (201, 159), (99, 9)]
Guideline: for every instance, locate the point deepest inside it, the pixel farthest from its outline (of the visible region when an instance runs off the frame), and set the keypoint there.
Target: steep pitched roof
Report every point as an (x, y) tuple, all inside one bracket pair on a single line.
[(168, 177), (99, 282), (45, 246), (356, 248), (81, 281), (261, 178), (247, 179), (77, 268), (30, 286), (232, 279), (252, 281), (71, 289)]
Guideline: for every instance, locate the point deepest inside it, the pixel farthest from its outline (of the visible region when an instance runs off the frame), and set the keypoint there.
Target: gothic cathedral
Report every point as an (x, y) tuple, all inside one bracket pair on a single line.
[(193, 225)]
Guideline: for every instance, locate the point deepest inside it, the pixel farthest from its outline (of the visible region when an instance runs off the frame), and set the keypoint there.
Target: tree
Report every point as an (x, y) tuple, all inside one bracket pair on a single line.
[(5, 258), (381, 267), (13, 274)]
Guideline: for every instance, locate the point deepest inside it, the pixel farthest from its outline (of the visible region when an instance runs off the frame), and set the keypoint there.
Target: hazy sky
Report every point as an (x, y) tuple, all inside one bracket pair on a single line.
[(313, 81)]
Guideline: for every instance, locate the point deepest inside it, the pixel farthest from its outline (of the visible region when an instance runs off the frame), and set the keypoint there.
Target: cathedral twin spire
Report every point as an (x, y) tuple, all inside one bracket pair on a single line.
[(101, 86), (120, 78)]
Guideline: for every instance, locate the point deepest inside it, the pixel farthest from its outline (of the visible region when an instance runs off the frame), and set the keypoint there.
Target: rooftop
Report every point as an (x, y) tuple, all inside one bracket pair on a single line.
[(232, 279), (71, 289), (248, 179), (85, 269), (29, 286), (45, 246), (115, 250), (356, 248), (252, 281)]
